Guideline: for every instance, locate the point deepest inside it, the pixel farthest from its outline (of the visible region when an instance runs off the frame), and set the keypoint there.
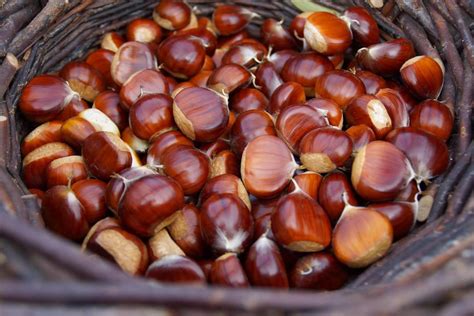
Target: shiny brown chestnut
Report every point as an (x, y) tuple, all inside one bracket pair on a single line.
[(84, 79), (329, 109), (207, 38), (273, 34), (409, 194), (279, 58), (160, 143), (340, 86), (227, 78), (267, 166), (172, 15), (324, 149), (212, 149), (226, 183), (400, 214), (129, 59), (225, 42), (225, 162), (73, 108), (361, 135), (201, 78), (395, 107), (327, 34), (267, 78), (318, 271), (432, 117), (226, 223), (246, 53), (231, 19), (372, 82), (140, 84), (423, 76), (101, 60), (248, 99), (44, 97), (161, 245), (309, 182), (176, 269), (380, 171), (112, 41), (152, 114), (305, 68), (297, 25), (136, 143), (65, 171), (386, 59), (49, 132), (299, 223), (364, 27), (200, 113), (406, 96), (108, 102), (228, 271), (264, 264), (288, 93), (144, 31)]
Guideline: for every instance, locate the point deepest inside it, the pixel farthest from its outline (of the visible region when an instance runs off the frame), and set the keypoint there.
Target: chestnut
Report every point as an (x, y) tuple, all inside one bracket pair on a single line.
[(214, 148), (188, 166), (409, 193), (400, 214), (380, 171), (372, 82), (305, 68), (176, 269), (226, 223), (107, 239), (44, 97), (208, 40), (226, 42), (101, 60), (309, 182), (246, 53), (286, 94), (160, 143), (268, 78), (264, 264), (332, 190), (330, 110), (395, 107), (161, 245), (428, 155), (200, 113), (423, 76), (248, 99), (403, 93), (186, 232), (73, 108), (318, 271), (49, 132), (130, 58), (299, 223), (364, 27), (368, 110), (112, 41), (91, 194), (182, 56), (144, 31), (201, 78), (84, 79), (324, 149), (279, 58), (225, 183), (295, 121), (361, 135), (172, 15), (225, 162), (361, 236), (65, 170), (337, 60), (273, 34), (267, 166), (140, 84), (133, 141), (227, 270), (152, 114), (108, 102), (297, 25), (386, 59), (149, 204), (340, 86), (228, 78), (231, 19), (327, 34), (37, 161), (105, 154), (432, 117)]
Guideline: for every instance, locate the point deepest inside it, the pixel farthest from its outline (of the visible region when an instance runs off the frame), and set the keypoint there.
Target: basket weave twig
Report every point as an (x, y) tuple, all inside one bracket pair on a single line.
[(41, 269)]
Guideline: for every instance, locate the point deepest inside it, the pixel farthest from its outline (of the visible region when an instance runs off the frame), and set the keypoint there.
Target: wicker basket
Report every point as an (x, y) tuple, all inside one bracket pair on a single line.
[(43, 273)]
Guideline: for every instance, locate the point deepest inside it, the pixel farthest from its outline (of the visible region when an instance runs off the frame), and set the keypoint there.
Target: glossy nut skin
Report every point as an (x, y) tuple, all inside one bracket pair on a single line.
[(297, 25), (108, 102), (176, 269), (207, 38), (144, 31), (134, 142), (364, 27), (267, 166), (160, 143), (331, 192), (84, 79), (37, 161), (423, 76), (386, 58), (105, 154), (200, 79), (368, 110), (228, 271), (150, 203), (400, 214), (226, 183), (201, 114), (226, 223), (225, 42), (305, 68), (300, 224), (230, 19), (380, 171), (49, 132), (172, 15), (361, 237), (65, 170), (264, 265), (432, 117), (140, 84), (245, 53), (214, 148), (395, 106), (268, 78), (327, 34), (186, 232), (73, 108), (275, 35), (372, 82), (295, 121), (227, 78), (248, 99), (309, 182), (288, 93), (129, 59), (330, 110), (318, 271), (44, 97), (101, 60), (340, 86), (279, 58), (361, 135), (151, 114), (325, 149), (428, 155), (406, 96), (112, 41), (181, 56), (188, 166), (91, 194), (225, 162)]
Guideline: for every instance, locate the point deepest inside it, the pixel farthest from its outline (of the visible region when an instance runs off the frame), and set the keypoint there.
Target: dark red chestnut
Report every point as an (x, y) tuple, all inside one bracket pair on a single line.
[(433, 117), (309, 182), (372, 82), (361, 135), (101, 60), (49, 132), (231, 19), (172, 14), (108, 102), (246, 53), (364, 27), (273, 34), (395, 107), (140, 84), (73, 108), (160, 143), (279, 58), (144, 30), (248, 99), (228, 271), (65, 171), (129, 59), (331, 194), (226, 183), (176, 269), (340, 86), (112, 41), (267, 78), (227, 78), (400, 214), (83, 79), (423, 76), (327, 34), (329, 109), (288, 93)]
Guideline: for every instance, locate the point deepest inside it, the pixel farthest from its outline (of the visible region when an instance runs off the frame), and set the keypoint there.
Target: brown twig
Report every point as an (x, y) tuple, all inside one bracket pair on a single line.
[(4, 139), (461, 193), (10, 7), (440, 6), (417, 35), (465, 109), (382, 20), (448, 95), (8, 70), (418, 11), (463, 29), (468, 6)]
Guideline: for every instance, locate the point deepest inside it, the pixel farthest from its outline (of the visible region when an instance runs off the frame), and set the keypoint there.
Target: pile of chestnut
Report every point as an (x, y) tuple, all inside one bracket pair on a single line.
[(187, 151)]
